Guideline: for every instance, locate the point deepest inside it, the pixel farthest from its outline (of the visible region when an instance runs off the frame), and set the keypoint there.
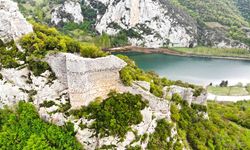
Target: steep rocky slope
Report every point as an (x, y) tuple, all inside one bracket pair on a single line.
[(74, 81), (155, 23), (12, 23), (149, 114), (158, 23)]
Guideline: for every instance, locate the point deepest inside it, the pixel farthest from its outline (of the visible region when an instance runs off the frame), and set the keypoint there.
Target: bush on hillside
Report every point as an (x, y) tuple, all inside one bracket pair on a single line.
[(115, 115), (23, 129)]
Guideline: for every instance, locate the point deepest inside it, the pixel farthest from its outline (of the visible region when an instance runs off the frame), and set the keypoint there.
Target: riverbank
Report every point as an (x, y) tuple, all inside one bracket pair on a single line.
[(187, 52)]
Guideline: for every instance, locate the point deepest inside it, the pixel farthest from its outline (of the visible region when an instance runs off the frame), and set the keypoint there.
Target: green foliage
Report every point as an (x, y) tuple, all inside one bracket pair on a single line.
[(45, 39), (198, 91), (222, 11), (115, 115), (23, 129), (90, 50), (248, 88), (38, 67), (220, 131), (208, 51), (120, 39), (198, 107), (244, 7), (41, 42), (103, 41), (238, 112), (10, 56), (137, 147), (47, 104), (132, 73), (158, 140), (175, 116), (176, 98), (228, 91)]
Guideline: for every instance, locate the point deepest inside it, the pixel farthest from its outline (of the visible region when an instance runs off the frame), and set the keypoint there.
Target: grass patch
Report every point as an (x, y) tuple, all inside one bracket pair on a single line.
[(208, 51), (228, 91)]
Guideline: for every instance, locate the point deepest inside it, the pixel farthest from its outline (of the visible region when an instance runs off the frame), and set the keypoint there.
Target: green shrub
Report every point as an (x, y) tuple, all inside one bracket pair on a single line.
[(120, 39), (132, 73), (177, 98), (10, 56), (90, 50), (1, 76), (115, 115), (23, 129), (248, 88), (158, 140), (175, 116), (44, 40), (199, 107), (38, 67), (47, 104)]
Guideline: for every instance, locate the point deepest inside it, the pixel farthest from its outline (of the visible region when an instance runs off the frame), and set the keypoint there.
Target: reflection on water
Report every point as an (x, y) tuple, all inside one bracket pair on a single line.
[(194, 69)]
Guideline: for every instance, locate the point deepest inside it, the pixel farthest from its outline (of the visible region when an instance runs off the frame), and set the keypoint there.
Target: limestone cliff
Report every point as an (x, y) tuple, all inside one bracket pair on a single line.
[(151, 23), (158, 23), (12, 23), (69, 11)]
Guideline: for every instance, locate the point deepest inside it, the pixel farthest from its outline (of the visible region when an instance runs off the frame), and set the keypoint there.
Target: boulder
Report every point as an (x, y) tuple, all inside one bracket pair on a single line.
[(12, 23)]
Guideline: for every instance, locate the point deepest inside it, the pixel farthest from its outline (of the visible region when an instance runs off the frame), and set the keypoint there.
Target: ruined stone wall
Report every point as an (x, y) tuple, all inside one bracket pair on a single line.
[(85, 78)]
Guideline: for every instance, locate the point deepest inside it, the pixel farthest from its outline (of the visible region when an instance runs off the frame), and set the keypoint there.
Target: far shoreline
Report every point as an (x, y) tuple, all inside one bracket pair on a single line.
[(169, 52)]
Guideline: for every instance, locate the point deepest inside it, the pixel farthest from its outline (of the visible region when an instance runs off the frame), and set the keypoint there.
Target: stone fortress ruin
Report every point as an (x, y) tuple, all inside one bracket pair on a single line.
[(86, 78)]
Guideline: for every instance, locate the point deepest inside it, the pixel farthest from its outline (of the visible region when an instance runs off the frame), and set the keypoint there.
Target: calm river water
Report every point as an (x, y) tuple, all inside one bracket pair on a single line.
[(195, 70)]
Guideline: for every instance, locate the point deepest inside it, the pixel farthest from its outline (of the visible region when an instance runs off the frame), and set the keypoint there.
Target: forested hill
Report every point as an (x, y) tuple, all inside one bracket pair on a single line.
[(232, 16), (244, 7), (225, 12), (213, 23)]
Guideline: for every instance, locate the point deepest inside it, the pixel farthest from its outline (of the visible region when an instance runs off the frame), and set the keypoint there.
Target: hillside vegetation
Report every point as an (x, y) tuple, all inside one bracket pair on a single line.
[(22, 129), (223, 11), (228, 15)]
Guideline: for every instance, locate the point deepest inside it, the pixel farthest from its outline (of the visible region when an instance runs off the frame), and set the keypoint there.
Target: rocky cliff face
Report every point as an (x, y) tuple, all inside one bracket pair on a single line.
[(152, 23), (69, 11), (158, 23), (217, 38), (12, 23), (80, 81)]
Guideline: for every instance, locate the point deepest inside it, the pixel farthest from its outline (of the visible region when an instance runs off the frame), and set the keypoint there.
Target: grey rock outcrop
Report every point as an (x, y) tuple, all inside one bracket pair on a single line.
[(187, 94), (217, 38), (66, 12), (157, 22), (12, 23), (86, 78)]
